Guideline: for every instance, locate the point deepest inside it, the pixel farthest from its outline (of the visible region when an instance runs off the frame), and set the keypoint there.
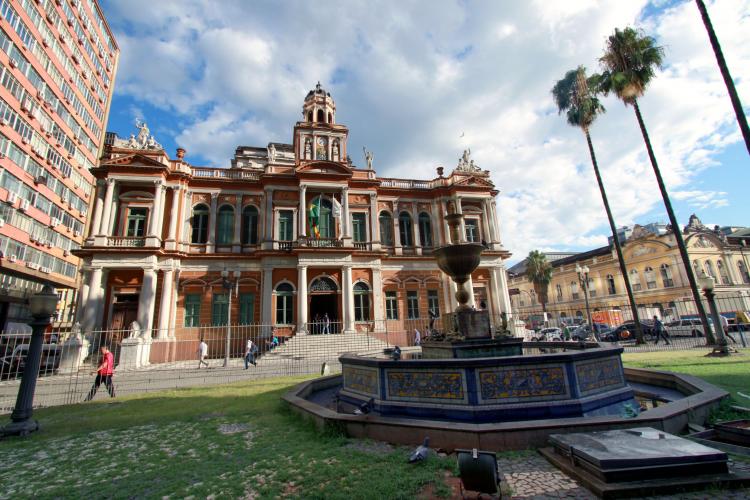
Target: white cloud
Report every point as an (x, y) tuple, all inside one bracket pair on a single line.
[(408, 80)]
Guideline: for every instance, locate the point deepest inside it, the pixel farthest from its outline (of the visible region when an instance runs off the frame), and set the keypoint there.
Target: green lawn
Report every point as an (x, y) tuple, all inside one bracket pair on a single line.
[(231, 441), (731, 373)]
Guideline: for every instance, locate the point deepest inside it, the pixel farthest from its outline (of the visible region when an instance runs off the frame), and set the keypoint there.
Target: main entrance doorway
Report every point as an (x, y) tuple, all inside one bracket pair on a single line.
[(324, 303)]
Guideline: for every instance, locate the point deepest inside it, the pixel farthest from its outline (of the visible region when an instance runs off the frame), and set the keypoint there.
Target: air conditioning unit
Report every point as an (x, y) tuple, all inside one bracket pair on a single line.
[(64, 197), (40, 179), (66, 253), (70, 229), (77, 233), (45, 270), (32, 237), (54, 222), (12, 258), (2, 156), (24, 205), (26, 104), (48, 244), (84, 211), (32, 265), (11, 198), (2, 222), (13, 63)]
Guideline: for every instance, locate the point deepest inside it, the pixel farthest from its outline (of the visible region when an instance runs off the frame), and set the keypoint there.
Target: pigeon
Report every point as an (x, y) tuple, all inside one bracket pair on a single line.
[(422, 451), (365, 407), (396, 353)]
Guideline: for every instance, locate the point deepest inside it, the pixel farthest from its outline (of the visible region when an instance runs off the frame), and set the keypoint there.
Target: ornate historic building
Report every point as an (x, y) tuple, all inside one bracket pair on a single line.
[(289, 233), (57, 66), (656, 274)]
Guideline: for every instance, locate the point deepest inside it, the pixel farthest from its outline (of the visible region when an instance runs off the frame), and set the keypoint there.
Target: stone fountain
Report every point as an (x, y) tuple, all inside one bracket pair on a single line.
[(466, 333)]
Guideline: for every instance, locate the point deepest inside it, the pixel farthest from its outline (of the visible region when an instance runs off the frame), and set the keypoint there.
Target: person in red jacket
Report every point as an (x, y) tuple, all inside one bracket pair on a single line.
[(104, 374)]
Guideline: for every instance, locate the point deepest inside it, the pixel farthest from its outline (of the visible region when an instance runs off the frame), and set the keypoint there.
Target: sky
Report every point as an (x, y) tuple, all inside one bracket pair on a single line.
[(417, 82)]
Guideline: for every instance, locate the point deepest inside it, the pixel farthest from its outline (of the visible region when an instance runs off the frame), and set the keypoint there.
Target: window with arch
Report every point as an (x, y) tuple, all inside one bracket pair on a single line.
[(574, 290), (330, 118), (250, 225), (325, 217), (558, 288), (635, 280), (723, 276), (136, 223), (405, 229), (666, 275), (611, 285), (309, 116), (744, 274), (225, 225), (321, 116), (710, 269), (472, 230), (284, 304), (650, 276), (199, 224), (579, 314), (425, 230), (386, 229), (361, 302)]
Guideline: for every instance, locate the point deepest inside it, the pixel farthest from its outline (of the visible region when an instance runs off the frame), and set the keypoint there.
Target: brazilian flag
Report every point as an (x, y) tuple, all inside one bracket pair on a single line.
[(314, 217)]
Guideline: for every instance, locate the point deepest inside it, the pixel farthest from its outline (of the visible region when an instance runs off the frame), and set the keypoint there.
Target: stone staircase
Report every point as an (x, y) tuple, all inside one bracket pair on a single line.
[(319, 348)]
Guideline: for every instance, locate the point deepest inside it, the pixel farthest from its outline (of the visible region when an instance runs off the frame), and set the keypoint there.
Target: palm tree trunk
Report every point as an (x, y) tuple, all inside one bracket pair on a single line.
[(741, 118), (618, 247), (675, 228)]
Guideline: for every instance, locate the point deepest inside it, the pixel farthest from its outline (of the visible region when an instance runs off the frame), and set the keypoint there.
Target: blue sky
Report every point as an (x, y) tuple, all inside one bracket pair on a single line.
[(410, 79)]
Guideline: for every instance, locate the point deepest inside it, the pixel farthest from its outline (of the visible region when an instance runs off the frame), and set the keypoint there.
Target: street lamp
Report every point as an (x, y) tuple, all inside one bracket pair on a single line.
[(707, 285), (583, 279), (228, 285), (42, 306)]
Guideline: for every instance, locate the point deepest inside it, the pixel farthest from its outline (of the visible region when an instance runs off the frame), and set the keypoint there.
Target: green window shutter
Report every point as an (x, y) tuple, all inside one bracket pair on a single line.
[(192, 310), (220, 309), (359, 228), (247, 308)]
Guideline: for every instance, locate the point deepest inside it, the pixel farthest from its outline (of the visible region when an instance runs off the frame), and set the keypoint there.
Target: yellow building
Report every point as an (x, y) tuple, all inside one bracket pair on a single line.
[(657, 276)]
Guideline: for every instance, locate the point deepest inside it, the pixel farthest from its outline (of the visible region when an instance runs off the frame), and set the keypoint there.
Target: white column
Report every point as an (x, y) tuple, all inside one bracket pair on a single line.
[(153, 225), (378, 305), (187, 215), (174, 296), (396, 231), (111, 223), (302, 299), (499, 275), (470, 286), (302, 210), (93, 300), (495, 221), (236, 241), (165, 308), (460, 210), (104, 227), (147, 300), (415, 226), (374, 222), (83, 294), (173, 215), (446, 229), (268, 220), (212, 219), (345, 222), (98, 209), (266, 312), (160, 215), (453, 288), (348, 298), (486, 223)]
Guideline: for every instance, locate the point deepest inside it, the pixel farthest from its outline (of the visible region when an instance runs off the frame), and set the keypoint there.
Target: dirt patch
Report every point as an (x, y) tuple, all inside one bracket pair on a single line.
[(378, 448), (233, 428), (211, 416), (429, 491)]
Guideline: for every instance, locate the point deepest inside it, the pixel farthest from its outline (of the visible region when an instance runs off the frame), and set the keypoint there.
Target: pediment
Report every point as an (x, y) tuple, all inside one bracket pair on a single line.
[(324, 167), (640, 249), (475, 181), (703, 240), (134, 160)]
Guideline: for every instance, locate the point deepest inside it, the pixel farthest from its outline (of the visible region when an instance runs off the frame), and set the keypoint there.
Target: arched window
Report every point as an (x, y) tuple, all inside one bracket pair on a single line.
[(405, 229), (250, 225), (321, 116), (386, 229), (710, 269), (743, 272), (574, 290), (579, 314), (309, 116), (611, 285), (425, 230), (666, 275), (648, 273), (225, 225), (200, 224), (361, 302), (635, 280), (330, 118), (284, 304), (558, 288), (723, 273)]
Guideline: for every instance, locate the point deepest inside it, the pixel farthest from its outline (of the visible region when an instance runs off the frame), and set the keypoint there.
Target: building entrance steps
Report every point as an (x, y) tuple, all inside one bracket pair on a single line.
[(324, 347)]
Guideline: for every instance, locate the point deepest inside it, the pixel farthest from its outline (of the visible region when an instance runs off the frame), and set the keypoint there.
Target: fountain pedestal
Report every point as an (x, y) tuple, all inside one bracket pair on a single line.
[(469, 336)]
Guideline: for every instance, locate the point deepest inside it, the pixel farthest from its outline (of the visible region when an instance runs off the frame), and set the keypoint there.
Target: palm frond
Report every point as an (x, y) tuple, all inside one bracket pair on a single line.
[(575, 95)]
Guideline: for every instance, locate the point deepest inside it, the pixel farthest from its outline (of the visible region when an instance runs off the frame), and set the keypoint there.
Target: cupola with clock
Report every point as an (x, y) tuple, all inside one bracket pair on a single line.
[(317, 137)]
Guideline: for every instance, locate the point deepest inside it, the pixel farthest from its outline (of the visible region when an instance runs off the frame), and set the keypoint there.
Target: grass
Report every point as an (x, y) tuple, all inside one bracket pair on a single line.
[(231, 441)]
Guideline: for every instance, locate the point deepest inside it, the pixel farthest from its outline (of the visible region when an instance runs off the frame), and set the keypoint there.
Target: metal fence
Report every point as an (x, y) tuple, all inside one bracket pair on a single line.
[(169, 359)]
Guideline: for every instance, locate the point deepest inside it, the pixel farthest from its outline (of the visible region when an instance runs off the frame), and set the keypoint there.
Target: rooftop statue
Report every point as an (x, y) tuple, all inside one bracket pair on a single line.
[(466, 164), (368, 157), (144, 139)]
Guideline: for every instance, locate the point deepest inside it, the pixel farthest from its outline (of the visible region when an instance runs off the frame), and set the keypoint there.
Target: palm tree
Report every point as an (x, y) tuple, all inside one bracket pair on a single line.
[(539, 272), (573, 96), (736, 104), (630, 61)]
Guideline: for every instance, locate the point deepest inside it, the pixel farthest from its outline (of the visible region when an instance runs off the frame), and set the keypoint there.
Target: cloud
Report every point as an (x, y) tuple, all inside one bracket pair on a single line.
[(408, 80)]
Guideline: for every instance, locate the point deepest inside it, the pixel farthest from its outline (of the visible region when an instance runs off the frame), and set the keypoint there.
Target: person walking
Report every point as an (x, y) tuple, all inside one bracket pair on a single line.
[(725, 327), (104, 374), (660, 332), (202, 354), (417, 337), (326, 324), (250, 351)]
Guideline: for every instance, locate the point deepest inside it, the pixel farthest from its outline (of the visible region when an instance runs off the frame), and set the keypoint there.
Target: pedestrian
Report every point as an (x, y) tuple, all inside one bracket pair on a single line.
[(417, 337), (202, 353), (250, 351), (104, 374), (326, 324), (433, 316), (316, 324), (725, 327), (660, 332)]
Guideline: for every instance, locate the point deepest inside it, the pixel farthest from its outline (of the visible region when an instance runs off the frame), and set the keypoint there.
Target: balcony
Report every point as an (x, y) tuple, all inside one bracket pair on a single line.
[(226, 173), (126, 241), (320, 243)]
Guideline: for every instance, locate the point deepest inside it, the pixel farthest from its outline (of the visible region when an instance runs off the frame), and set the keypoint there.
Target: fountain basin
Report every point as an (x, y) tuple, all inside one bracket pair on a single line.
[(492, 389), (472, 348)]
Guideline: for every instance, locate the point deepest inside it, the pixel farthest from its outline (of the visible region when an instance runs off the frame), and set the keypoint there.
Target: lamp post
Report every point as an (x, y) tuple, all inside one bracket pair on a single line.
[(707, 285), (42, 306), (228, 285), (583, 279)]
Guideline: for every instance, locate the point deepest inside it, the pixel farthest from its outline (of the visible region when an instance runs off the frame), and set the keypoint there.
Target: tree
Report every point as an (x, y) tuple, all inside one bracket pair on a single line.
[(733, 96), (574, 97), (539, 272), (630, 61)]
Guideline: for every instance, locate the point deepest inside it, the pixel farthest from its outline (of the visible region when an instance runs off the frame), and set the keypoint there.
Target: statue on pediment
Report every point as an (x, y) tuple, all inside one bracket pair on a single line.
[(466, 164), (143, 140), (368, 157)]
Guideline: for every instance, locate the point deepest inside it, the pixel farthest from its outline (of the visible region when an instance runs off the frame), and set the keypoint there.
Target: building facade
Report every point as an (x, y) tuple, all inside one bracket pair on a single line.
[(288, 234), (57, 66), (658, 279)]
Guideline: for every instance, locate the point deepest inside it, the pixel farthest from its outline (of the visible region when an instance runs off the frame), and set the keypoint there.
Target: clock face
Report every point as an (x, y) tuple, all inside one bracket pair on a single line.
[(321, 148)]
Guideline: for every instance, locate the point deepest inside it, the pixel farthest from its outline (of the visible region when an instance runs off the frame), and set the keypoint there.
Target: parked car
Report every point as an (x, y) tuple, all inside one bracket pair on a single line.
[(548, 335), (626, 331), (582, 332), (685, 327), (13, 363)]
